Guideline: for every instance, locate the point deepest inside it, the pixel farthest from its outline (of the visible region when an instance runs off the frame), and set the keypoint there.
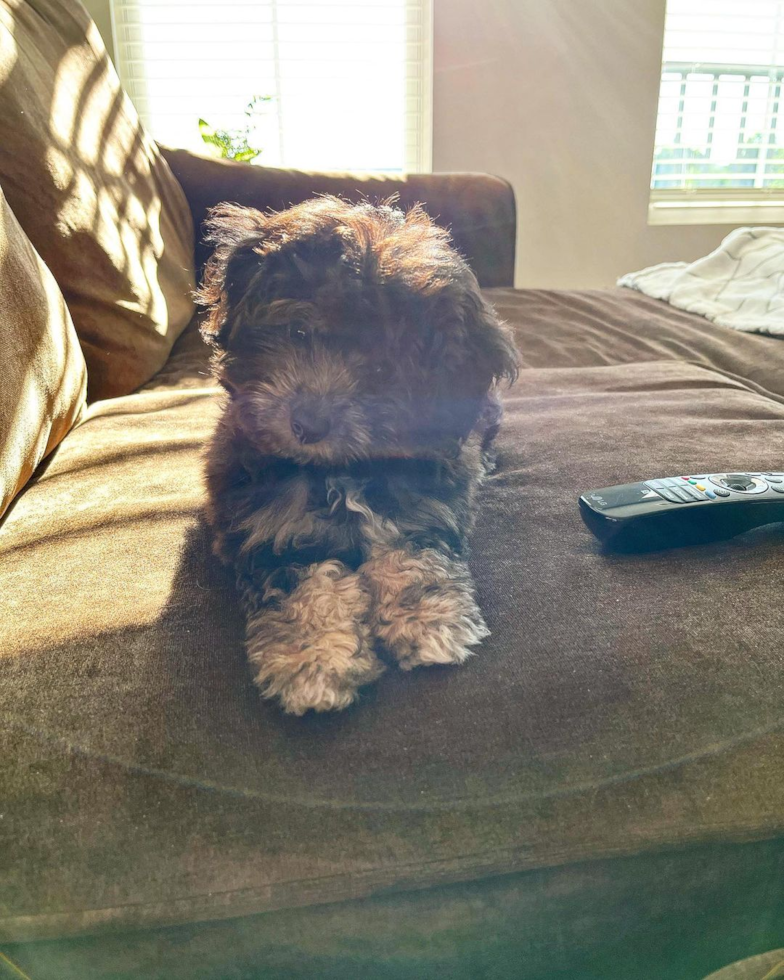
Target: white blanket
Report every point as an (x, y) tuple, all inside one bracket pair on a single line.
[(739, 285)]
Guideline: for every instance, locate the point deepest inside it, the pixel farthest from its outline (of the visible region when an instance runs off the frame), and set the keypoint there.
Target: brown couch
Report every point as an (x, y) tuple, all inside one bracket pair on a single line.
[(597, 795)]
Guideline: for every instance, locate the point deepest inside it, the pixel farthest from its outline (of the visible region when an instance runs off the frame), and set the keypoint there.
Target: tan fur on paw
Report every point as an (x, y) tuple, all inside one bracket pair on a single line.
[(314, 652), (424, 609)]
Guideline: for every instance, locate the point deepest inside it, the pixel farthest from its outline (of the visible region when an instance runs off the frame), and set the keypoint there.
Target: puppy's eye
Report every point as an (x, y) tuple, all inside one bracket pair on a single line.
[(298, 335)]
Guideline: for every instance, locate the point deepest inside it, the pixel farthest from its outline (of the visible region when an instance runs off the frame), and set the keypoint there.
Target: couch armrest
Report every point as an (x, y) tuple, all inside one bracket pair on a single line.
[(478, 209)]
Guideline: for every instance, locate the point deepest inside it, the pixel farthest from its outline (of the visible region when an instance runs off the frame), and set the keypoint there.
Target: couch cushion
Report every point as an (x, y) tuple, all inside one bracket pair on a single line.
[(44, 376), (594, 328), (188, 365), (92, 192), (623, 705)]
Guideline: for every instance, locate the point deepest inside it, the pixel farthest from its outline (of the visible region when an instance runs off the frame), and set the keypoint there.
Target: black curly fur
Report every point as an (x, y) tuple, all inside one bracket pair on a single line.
[(373, 314), (360, 363)]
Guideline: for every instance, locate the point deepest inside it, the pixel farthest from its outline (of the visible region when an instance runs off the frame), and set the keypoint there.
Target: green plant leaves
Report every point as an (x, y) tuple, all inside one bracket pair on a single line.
[(232, 144)]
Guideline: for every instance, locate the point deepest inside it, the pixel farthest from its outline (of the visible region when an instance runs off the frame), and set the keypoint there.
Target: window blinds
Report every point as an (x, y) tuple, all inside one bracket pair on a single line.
[(341, 85), (720, 119)]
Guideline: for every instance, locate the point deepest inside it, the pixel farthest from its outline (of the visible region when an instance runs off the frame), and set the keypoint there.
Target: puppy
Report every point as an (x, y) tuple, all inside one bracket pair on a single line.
[(360, 363)]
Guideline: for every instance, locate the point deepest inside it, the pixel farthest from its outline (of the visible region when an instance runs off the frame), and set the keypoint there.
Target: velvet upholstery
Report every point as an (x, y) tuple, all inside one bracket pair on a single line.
[(652, 917), (478, 209), (92, 192), (616, 744)]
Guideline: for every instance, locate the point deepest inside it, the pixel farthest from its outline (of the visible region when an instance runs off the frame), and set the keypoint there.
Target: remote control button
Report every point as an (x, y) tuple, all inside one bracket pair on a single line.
[(778, 488), (772, 479), (711, 494), (740, 482), (668, 495), (654, 484), (686, 478), (683, 494), (700, 487), (721, 492), (671, 482)]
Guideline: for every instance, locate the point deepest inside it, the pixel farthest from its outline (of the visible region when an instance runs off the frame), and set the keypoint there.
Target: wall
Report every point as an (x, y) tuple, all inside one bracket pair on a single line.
[(560, 97)]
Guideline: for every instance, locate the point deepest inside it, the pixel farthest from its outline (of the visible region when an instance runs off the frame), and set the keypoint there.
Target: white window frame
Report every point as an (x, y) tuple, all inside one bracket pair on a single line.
[(716, 206), (424, 158)]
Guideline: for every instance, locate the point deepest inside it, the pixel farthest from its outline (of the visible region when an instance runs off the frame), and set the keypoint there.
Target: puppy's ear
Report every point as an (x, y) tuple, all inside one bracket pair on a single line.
[(471, 350), (490, 342), (237, 234)]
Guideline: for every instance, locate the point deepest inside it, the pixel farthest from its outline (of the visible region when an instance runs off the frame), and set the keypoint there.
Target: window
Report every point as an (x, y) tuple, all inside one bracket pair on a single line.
[(719, 133), (339, 85)]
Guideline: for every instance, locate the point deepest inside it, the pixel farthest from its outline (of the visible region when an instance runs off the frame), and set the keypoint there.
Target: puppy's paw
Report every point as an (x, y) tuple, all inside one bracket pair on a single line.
[(314, 652), (322, 674), (424, 609), (439, 628)]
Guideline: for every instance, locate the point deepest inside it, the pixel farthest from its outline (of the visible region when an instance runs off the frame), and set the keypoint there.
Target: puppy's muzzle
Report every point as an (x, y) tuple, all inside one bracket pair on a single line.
[(310, 422)]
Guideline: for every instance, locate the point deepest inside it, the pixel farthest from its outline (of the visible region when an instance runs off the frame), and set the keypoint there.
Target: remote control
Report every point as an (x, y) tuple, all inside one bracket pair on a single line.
[(680, 510)]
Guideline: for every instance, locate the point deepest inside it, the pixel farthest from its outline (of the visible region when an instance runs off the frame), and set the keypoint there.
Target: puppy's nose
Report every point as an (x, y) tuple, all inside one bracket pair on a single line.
[(310, 425)]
